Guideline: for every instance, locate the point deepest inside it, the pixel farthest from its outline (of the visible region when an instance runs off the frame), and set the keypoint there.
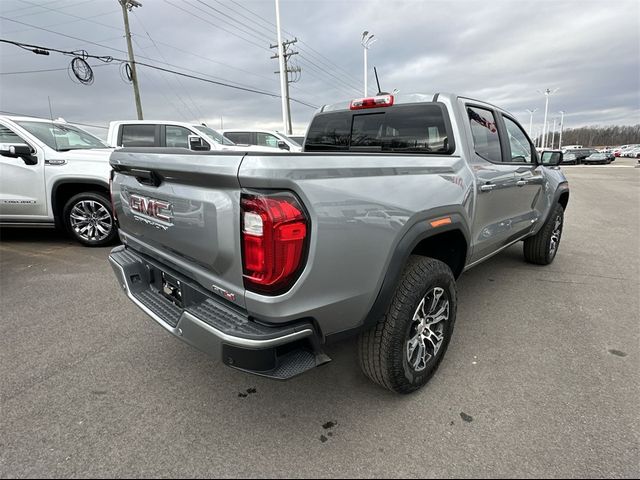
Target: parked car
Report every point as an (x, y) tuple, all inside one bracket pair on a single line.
[(54, 174), (281, 263), (170, 134), (263, 138), (597, 158), (569, 159), (579, 153)]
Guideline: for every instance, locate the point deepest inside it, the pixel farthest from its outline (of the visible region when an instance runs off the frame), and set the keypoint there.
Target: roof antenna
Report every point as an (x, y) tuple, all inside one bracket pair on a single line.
[(53, 127), (380, 92)]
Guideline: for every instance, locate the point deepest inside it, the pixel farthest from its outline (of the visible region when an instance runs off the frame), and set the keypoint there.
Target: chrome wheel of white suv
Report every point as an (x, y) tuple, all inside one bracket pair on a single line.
[(88, 217)]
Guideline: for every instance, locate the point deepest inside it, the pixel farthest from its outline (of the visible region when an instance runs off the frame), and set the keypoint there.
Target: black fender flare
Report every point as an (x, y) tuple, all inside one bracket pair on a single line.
[(421, 229)]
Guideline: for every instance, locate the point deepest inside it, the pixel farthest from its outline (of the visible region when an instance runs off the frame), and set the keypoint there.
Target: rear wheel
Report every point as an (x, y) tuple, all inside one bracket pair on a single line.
[(405, 348), (542, 248), (89, 219)]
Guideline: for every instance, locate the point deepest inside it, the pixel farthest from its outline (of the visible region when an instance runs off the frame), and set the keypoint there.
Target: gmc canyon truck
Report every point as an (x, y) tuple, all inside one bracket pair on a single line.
[(262, 259), (53, 174)]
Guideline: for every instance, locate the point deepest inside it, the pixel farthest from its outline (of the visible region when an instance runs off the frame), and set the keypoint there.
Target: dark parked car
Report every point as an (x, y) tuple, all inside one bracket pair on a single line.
[(569, 159), (597, 158)]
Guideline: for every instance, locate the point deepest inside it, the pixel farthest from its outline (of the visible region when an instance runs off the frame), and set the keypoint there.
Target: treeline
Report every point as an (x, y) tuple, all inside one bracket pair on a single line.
[(596, 136)]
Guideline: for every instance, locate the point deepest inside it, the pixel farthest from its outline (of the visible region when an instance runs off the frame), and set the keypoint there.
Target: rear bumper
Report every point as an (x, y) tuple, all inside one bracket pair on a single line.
[(213, 326)]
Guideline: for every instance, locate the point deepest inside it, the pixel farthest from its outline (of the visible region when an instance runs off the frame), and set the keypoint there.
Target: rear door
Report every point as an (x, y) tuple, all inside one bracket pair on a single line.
[(183, 210)]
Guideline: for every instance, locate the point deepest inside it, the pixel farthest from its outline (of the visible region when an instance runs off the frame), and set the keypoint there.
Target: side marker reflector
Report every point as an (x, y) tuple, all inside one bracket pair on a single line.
[(440, 222)]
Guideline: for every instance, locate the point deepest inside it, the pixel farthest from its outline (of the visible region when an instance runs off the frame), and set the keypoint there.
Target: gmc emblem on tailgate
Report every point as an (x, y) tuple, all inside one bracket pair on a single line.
[(154, 212)]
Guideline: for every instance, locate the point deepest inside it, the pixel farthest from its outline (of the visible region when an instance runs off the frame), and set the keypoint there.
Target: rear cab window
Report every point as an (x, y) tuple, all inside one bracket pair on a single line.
[(422, 128)]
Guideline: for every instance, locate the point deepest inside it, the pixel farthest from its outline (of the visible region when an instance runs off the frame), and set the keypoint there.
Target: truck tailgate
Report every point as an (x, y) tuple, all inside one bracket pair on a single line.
[(183, 209)]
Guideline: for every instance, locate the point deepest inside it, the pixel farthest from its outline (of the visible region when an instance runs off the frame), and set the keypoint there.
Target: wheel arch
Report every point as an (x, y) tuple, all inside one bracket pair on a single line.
[(64, 189)]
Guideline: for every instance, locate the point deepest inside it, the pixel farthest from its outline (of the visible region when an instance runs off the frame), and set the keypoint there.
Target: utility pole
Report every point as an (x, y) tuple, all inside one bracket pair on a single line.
[(127, 6), (286, 52)]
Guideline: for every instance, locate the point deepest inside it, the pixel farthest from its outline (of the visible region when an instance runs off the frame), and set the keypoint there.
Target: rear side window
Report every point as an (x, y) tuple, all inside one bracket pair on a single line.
[(485, 134), (402, 129), (267, 140), (138, 136)]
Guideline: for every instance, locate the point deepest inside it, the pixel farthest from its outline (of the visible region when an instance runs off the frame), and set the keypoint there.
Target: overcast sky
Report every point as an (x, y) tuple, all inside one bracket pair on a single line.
[(498, 51)]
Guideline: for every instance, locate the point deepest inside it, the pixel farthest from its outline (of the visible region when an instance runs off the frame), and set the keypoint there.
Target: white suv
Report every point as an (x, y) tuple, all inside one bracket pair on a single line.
[(262, 138), (55, 174)]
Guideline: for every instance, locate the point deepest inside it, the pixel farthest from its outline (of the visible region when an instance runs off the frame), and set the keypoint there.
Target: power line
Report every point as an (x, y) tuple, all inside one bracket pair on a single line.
[(74, 16), (156, 67), (301, 41), (51, 69), (110, 12), (244, 25), (217, 26), (193, 112)]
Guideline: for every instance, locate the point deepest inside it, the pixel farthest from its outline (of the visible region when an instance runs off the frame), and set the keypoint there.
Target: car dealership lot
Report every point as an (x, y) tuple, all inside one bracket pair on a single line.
[(542, 376)]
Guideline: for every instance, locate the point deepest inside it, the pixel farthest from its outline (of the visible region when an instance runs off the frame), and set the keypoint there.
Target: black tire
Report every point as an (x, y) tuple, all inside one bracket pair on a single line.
[(538, 249), (101, 204), (383, 350)]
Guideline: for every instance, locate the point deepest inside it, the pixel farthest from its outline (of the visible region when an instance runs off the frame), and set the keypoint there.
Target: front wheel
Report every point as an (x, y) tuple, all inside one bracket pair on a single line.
[(542, 248), (89, 219), (405, 348)]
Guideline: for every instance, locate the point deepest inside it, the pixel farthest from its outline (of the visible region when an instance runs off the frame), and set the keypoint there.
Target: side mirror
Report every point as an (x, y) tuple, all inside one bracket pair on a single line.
[(283, 145), (18, 150), (197, 144), (550, 158)]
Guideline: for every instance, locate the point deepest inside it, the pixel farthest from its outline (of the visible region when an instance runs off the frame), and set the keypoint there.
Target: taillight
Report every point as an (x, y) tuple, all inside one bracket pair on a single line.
[(275, 230), (371, 102), (113, 205)]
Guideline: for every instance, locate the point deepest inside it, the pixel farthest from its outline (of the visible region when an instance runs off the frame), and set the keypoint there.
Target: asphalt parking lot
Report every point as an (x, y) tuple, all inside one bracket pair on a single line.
[(542, 377)]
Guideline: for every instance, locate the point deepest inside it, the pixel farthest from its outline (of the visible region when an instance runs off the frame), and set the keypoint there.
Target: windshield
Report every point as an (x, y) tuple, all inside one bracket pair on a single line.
[(62, 137), (215, 136), (289, 139)]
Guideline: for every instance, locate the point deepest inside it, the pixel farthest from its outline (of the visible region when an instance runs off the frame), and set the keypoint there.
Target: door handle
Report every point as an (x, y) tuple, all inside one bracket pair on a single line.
[(487, 187), (521, 183)]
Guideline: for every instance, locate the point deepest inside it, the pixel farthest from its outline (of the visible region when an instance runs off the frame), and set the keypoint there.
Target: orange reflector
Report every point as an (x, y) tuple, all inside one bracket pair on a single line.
[(440, 222)]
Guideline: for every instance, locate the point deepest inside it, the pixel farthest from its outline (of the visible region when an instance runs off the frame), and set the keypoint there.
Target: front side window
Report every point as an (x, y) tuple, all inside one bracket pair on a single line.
[(139, 136), (485, 134), (61, 137), (267, 140), (177, 137), (518, 142)]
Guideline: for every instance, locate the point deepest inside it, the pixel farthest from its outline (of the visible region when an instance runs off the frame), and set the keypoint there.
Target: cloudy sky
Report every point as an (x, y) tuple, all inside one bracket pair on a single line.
[(499, 51)]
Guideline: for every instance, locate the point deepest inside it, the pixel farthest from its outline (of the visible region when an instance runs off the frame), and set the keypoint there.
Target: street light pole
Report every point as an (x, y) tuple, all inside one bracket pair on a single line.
[(531, 112), (561, 112), (553, 134), (547, 93), (283, 70), (367, 40)]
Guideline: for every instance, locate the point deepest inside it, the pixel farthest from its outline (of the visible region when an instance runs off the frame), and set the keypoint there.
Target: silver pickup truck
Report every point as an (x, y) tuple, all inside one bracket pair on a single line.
[(262, 259)]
